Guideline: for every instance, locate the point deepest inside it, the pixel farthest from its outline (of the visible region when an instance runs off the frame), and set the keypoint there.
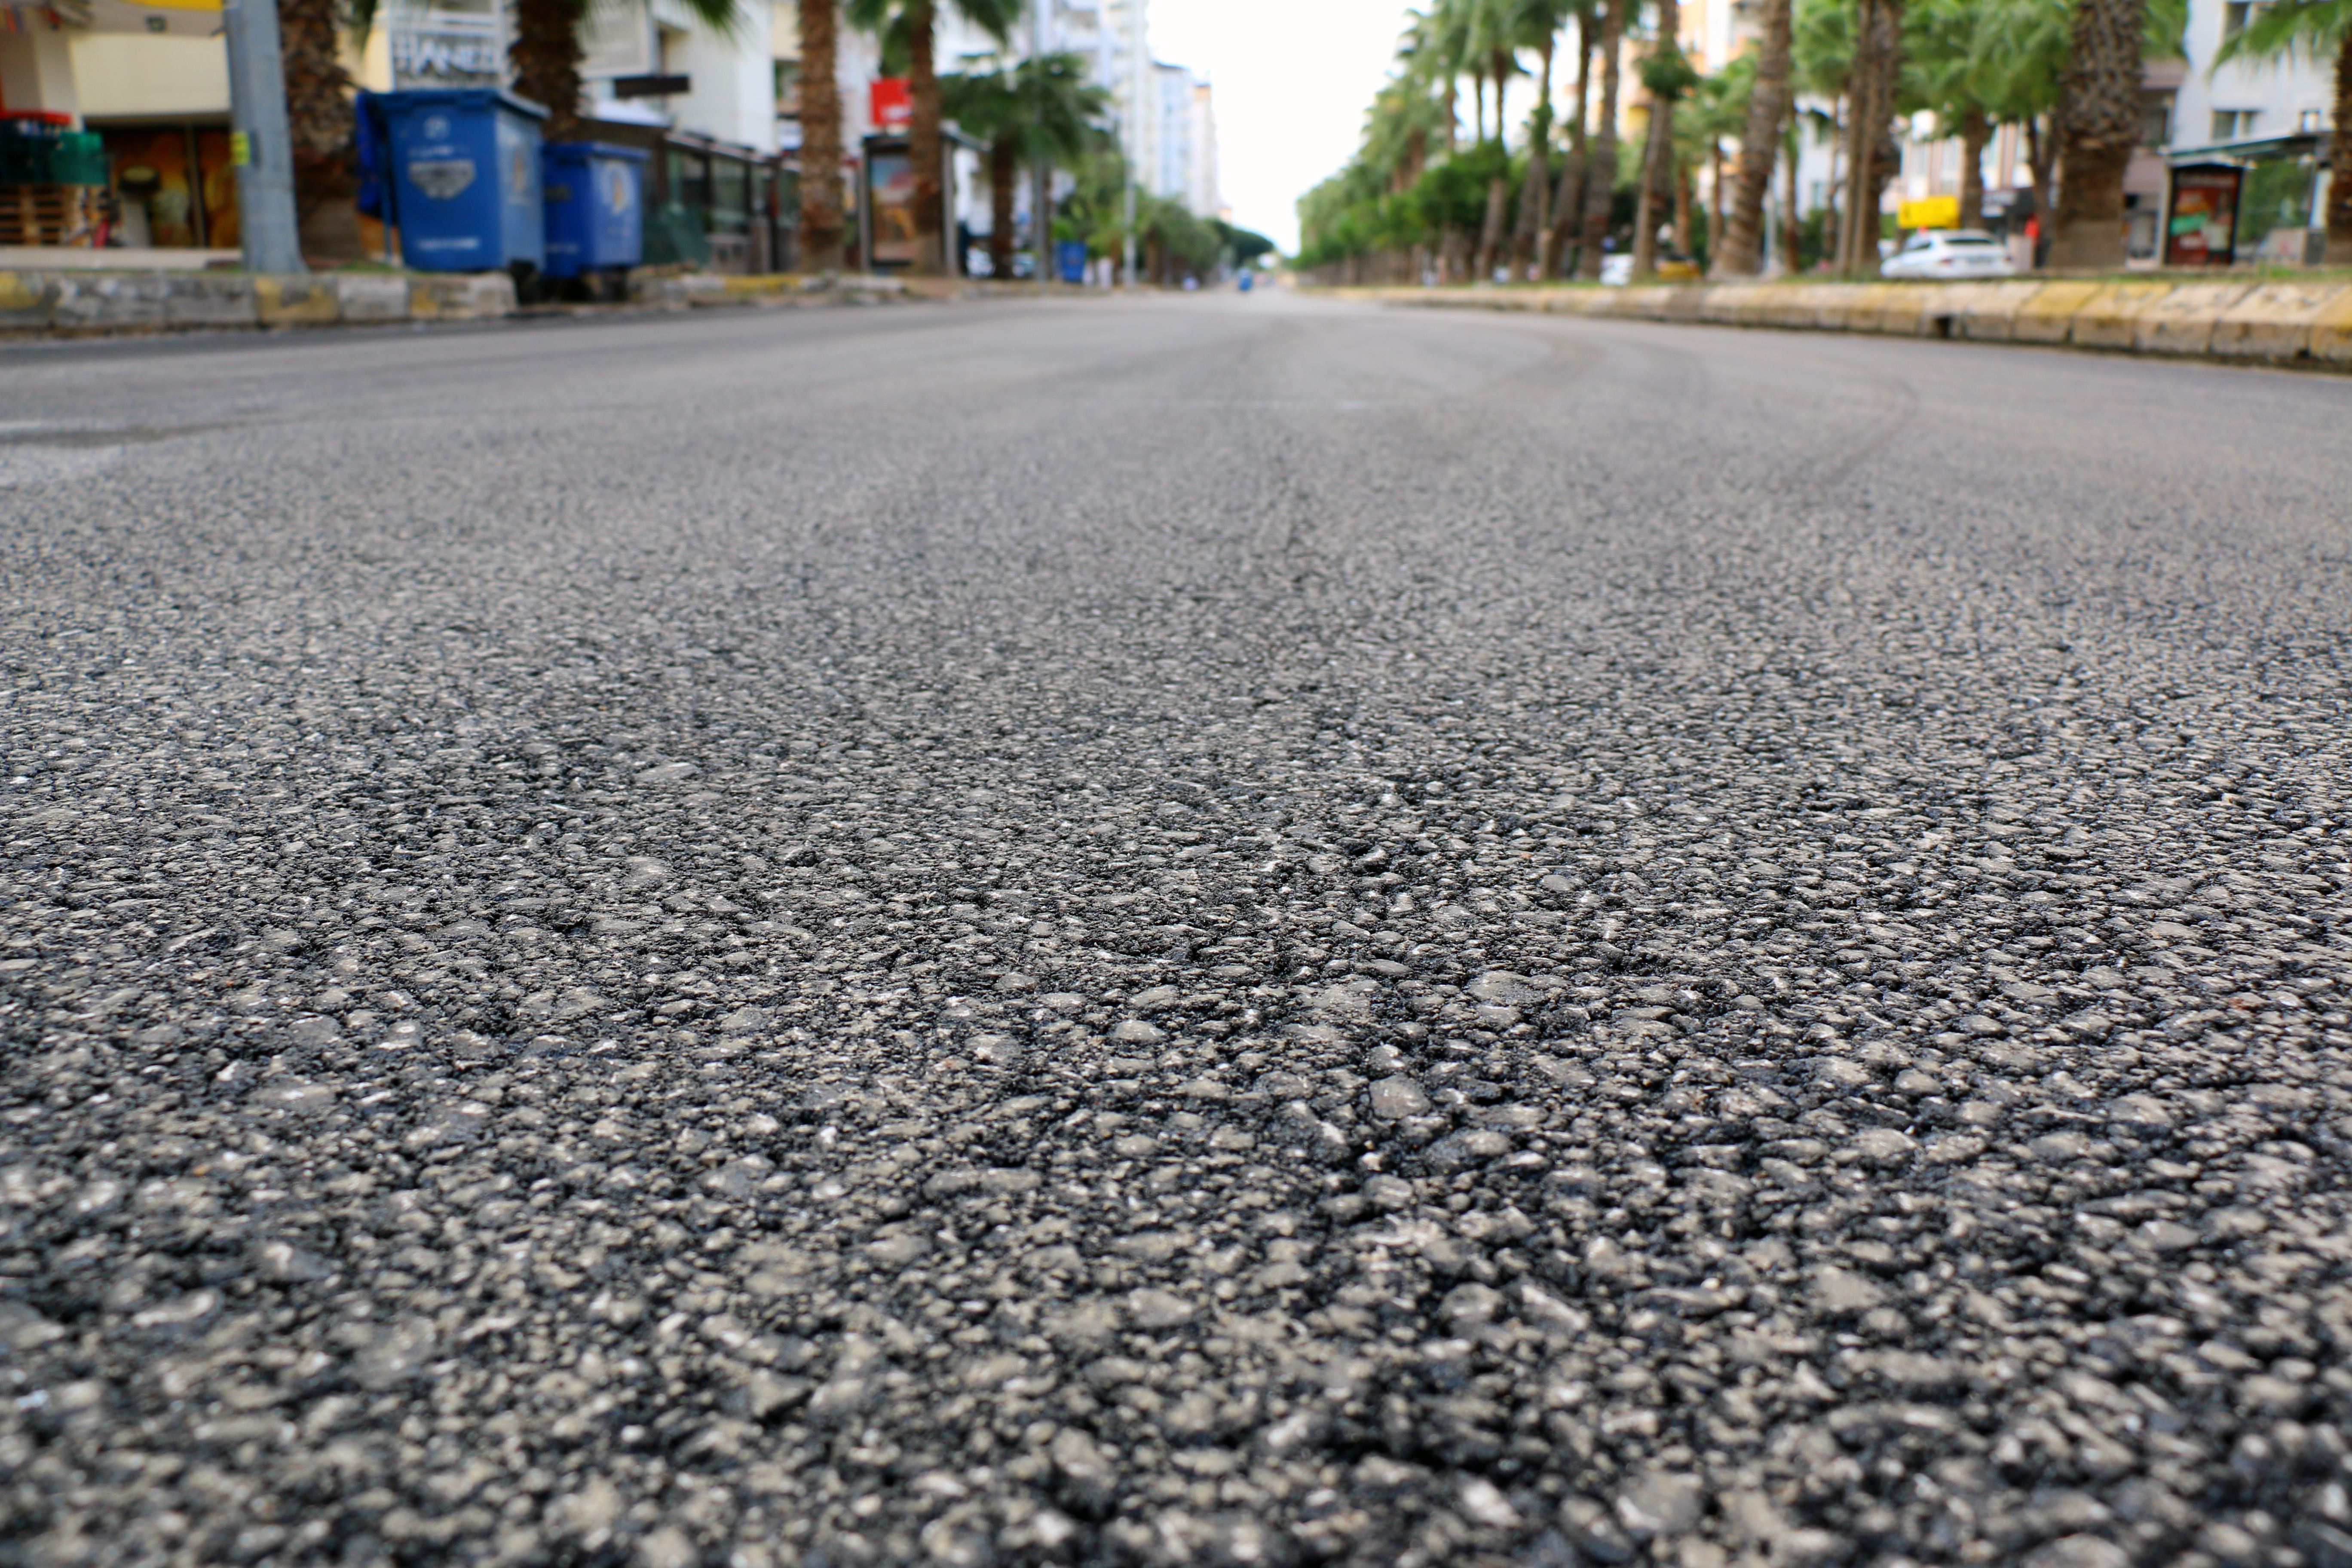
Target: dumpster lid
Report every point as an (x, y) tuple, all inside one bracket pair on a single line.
[(461, 97), (596, 150)]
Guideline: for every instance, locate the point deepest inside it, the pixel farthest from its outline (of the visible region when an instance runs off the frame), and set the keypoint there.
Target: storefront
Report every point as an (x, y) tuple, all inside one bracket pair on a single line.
[(150, 78)]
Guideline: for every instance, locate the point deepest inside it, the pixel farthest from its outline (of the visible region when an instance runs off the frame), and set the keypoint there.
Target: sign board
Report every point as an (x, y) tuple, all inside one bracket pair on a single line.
[(889, 103), (2201, 220), (1928, 212), (446, 45)]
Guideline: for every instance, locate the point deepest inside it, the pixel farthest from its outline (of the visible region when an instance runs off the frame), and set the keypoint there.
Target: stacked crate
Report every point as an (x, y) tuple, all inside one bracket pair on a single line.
[(52, 183)]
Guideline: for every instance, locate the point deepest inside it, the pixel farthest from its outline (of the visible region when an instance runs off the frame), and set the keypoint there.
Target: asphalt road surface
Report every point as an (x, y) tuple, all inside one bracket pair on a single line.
[(1223, 931)]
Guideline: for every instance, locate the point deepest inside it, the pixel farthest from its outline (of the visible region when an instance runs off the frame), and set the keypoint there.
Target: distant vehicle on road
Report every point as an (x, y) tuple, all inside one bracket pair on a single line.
[(1949, 253), (1616, 272)]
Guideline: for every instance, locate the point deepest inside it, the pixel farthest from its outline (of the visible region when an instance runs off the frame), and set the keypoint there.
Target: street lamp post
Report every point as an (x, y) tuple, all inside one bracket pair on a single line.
[(261, 143)]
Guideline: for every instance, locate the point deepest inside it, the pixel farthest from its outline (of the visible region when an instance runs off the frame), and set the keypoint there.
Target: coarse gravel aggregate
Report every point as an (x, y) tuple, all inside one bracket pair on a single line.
[(1209, 931)]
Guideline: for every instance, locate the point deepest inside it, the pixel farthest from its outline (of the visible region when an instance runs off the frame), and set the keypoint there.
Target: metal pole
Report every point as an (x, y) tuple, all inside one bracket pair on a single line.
[(1127, 245), (261, 143), (1041, 229)]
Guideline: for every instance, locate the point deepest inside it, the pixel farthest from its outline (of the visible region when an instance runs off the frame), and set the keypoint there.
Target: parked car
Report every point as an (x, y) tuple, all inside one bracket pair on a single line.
[(1949, 253)]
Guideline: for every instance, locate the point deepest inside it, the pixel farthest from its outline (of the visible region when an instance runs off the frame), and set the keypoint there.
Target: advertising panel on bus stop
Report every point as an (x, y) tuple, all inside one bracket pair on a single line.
[(2202, 229)]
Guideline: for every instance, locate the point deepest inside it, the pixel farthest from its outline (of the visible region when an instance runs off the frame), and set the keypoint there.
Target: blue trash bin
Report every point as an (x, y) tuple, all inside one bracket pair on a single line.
[(596, 208), (466, 178), (1070, 259)]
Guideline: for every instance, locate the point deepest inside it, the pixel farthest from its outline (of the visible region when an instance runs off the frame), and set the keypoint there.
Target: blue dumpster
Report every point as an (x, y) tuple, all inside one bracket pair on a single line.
[(596, 208), (466, 178)]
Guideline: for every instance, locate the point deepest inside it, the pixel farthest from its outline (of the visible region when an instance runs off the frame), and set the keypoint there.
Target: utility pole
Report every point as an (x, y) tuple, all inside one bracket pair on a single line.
[(261, 145), (1041, 229)]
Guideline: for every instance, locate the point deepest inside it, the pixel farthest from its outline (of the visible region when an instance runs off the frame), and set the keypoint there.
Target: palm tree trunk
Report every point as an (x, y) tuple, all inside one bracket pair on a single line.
[(926, 151), (1743, 240), (1568, 196), (1860, 132), (1535, 201), (1975, 132), (2100, 129), (545, 58), (2041, 150), (1658, 157), (1716, 196), (1601, 168), (1502, 59), (1490, 233), (1793, 241), (1453, 111), (821, 193), (1477, 108), (320, 122), (2339, 181), (1683, 207), (1002, 153), (1877, 67)]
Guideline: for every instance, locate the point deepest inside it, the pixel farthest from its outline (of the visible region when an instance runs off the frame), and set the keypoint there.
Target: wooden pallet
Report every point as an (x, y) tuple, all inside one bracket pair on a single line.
[(49, 215)]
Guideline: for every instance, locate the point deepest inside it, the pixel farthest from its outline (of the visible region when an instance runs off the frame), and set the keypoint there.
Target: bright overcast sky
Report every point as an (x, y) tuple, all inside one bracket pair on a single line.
[(1293, 80)]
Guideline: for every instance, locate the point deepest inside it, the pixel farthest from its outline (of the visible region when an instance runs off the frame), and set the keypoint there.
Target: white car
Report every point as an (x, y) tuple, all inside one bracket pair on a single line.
[(1949, 253)]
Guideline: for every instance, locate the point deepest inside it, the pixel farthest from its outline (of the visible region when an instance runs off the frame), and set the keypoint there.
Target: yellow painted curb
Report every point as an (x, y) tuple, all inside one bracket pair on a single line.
[(2182, 321), (2046, 318), (2274, 321), (295, 302), (1989, 313), (2109, 319), (1898, 308), (16, 294)]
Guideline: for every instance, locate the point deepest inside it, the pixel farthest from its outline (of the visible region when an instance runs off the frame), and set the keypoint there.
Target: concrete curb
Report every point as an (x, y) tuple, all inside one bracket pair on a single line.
[(2306, 324), (99, 304)]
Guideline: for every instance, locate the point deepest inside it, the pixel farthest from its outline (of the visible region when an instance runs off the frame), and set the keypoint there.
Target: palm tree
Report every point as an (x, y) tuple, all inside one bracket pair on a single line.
[(915, 24), (320, 125), (1667, 75), (1716, 110), (1568, 194), (1740, 251), (1874, 79), (1600, 166), (822, 207), (545, 55), (2317, 28), (1536, 24), (2097, 132), (1042, 111)]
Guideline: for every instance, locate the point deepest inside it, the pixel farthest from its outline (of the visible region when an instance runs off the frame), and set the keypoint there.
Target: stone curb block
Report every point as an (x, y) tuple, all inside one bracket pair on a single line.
[(461, 296), (25, 300), (282, 302), (2275, 321), (2181, 322), (2045, 317), (2331, 333), (367, 297), (1992, 312), (2110, 317)]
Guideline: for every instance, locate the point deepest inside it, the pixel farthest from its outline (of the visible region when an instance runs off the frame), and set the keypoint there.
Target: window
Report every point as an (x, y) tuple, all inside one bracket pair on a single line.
[(2155, 121), (2311, 120), (2232, 124), (2238, 13)]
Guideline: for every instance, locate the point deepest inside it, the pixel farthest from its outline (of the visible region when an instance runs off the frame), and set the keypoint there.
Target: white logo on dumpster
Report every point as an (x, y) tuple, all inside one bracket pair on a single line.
[(441, 178)]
